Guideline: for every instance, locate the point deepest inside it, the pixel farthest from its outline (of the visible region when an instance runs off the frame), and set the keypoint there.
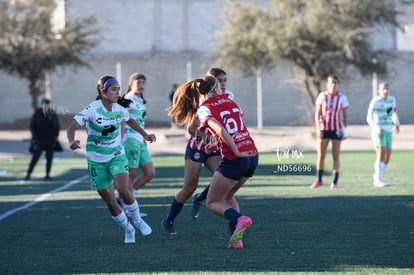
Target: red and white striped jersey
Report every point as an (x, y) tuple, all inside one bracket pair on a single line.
[(331, 107), (229, 114), (198, 143)]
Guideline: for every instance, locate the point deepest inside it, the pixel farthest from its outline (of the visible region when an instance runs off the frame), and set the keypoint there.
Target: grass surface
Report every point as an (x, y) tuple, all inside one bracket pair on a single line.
[(354, 229)]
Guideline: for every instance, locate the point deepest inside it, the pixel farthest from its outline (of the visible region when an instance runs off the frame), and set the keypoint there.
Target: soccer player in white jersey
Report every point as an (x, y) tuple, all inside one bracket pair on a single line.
[(331, 120), (105, 153), (135, 148), (381, 116)]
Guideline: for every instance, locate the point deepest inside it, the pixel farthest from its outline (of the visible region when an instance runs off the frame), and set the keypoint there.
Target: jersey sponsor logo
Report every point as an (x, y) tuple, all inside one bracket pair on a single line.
[(98, 142), (108, 120), (108, 129), (239, 136)]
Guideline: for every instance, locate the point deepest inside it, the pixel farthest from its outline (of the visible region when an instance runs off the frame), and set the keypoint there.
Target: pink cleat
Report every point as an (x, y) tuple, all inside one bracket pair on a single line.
[(334, 185), (238, 245), (243, 223), (316, 184)]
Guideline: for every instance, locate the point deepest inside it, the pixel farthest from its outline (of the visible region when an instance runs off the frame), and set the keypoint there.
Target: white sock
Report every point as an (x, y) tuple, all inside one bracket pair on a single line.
[(376, 169), (133, 211), (376, 166), (122, 220), (381, 170)]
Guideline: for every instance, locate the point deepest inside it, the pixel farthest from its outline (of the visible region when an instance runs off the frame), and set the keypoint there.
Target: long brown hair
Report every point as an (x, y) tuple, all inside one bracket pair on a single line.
[(132, 78), (187, 98)]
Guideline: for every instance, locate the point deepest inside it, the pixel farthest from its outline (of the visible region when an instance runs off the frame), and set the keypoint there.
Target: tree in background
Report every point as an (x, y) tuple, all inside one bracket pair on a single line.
[(319, 36), (246, 44), (31, 46)]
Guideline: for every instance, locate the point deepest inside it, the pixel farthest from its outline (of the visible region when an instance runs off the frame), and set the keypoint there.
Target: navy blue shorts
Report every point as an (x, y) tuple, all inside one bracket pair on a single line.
[(238, 168), (337, 134), (197, 155)]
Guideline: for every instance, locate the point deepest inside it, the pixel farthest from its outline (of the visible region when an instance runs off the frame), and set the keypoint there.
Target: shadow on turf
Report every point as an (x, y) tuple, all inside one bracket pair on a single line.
[(308, 234), (287, 235)]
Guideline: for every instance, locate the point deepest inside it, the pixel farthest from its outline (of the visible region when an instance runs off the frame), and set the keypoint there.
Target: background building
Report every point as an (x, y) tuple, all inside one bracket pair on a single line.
[(170, 41)]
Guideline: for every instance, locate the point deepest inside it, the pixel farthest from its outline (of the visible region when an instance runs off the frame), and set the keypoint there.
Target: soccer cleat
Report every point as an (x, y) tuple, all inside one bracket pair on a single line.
[(378, 183), (48, 178), (142, 214), (238, 245), (130, 235), (143, 227), (334, 185), (168, 227), (316, 184), (243, 223), (26, 178), (195, 212)]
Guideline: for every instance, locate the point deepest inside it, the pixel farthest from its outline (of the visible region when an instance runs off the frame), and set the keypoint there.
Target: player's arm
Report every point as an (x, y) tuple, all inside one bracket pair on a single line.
[(370, 117), (318, 114), (345, 117), (122, 130), (395, 118), (134, 125), (192, 127), (70, 133)]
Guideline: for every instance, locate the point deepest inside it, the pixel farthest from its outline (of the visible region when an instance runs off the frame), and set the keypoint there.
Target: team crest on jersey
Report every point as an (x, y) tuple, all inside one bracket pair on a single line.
[(196, 155)]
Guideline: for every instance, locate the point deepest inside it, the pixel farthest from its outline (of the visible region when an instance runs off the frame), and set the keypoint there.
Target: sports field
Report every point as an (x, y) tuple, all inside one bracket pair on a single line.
[(62, 227)]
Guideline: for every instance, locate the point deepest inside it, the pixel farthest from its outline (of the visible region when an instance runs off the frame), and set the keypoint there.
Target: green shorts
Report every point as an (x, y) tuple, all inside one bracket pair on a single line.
[(384, 140), (137, 153), (101, 173)]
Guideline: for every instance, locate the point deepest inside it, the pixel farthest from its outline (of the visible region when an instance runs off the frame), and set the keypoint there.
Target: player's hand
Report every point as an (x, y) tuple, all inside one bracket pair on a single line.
[(211, 147), (380, 132), (344, 133), (75, 145), (151, 138)]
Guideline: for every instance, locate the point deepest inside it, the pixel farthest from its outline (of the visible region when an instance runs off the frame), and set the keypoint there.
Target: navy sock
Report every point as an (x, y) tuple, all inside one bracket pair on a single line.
[(232, 215), (319, 174), (335, 177), (203, 195), (175, 209)]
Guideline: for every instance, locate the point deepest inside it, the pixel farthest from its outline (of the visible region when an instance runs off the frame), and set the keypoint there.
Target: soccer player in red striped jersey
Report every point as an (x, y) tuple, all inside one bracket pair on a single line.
[(239, 153), (196, 155), (331, 120)]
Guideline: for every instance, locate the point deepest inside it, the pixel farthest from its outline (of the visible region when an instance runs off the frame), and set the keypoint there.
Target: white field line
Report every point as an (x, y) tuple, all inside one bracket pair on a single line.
[(42, 197)]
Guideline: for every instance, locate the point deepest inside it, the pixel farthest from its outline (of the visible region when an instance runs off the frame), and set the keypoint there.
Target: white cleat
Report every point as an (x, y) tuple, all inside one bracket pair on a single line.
[(378, 183), (130, 235), (143, 227)]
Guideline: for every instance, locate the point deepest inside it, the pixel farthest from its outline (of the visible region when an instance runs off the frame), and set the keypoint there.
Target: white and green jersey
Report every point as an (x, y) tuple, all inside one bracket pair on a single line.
[(103, 128), (382, 113), (138, 112)]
